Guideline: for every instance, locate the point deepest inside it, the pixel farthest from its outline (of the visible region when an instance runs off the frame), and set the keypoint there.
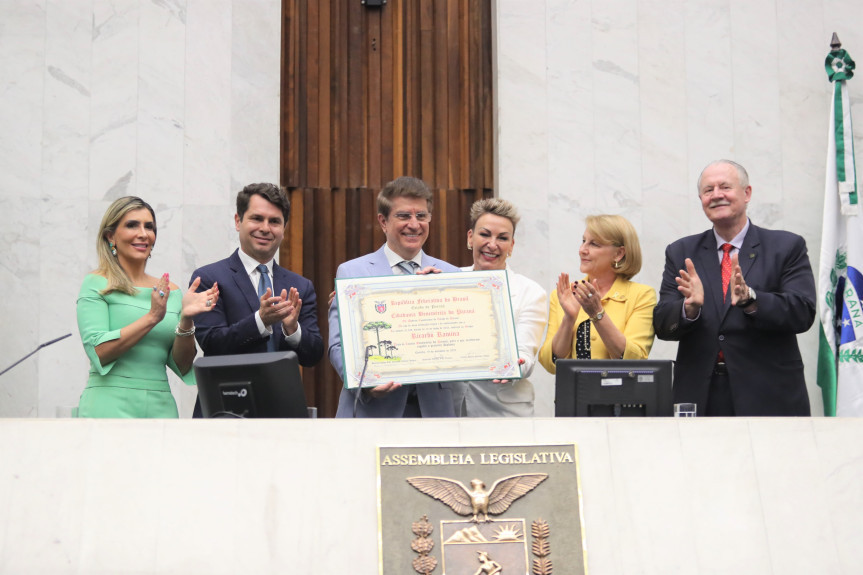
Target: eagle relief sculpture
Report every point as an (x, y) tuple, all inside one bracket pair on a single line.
[(477, 501)]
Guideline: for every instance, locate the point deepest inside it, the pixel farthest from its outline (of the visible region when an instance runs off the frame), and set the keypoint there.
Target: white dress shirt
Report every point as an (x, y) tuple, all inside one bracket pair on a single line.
[(394, 260)]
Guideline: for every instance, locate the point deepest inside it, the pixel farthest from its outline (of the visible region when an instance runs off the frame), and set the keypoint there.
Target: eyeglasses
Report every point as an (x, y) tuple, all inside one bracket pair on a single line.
[(406, 216)]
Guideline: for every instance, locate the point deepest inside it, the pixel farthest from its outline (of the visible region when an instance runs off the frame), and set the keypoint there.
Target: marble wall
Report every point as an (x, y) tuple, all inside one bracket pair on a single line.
[(615, 107), (601, 107), (176, 101)]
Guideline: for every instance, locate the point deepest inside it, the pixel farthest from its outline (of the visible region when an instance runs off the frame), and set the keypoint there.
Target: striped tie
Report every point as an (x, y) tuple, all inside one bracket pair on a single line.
[(408, 267), (263, 284)]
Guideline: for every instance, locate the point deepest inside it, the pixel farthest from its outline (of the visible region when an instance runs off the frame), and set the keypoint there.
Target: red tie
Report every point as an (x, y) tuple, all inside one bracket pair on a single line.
[(726, 268), (726, 279)]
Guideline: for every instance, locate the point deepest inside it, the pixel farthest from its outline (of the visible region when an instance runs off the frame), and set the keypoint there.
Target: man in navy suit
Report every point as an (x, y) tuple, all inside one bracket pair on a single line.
[(738, 352), (404, 213), (262, 306)]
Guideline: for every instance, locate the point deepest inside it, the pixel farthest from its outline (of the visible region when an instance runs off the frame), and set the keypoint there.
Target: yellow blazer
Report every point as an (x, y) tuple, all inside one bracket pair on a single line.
[(627, 304)]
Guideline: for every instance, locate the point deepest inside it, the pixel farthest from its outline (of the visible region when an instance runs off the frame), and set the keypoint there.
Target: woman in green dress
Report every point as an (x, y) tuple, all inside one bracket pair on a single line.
[(133, 324)]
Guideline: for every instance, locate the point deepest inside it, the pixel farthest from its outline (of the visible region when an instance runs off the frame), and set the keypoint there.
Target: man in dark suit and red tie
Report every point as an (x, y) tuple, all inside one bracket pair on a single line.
[(262, 306), (735, 297)]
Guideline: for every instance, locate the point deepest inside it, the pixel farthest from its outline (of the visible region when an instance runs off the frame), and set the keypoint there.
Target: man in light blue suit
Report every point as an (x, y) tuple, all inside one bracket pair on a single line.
[(404, 213)]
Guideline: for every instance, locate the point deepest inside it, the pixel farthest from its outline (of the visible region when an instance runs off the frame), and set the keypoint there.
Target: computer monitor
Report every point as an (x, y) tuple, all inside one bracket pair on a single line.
[(613, 388), (253, 385)]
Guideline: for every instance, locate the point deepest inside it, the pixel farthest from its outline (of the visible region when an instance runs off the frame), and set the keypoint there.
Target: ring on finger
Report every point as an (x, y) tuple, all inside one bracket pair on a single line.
[(161, 293), (209, 303)]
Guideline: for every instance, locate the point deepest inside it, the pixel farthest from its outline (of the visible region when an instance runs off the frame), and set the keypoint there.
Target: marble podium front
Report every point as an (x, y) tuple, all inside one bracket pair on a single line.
[(660, 495)]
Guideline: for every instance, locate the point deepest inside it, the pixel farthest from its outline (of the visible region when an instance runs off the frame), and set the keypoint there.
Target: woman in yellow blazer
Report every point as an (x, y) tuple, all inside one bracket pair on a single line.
[(605, 315)]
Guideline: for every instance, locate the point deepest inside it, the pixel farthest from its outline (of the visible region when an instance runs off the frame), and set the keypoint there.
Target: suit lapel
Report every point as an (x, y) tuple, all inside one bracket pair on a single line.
[(378, 265), (279, 281), (710, 272), (243, 283), (428, 261), (749, 251)]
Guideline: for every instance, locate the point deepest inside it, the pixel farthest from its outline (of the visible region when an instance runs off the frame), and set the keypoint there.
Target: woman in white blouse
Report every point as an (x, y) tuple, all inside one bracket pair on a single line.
[(491, 239)]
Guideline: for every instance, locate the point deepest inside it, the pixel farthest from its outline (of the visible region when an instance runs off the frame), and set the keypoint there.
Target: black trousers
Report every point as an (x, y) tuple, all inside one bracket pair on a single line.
[(720, 402), (412, 407)]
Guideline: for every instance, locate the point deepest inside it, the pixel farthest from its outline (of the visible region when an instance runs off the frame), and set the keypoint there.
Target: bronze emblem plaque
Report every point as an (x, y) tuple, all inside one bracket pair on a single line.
[(489, 510)]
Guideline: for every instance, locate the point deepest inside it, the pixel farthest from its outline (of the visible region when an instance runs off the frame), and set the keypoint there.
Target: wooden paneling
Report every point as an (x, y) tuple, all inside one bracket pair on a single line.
[(370, 94)]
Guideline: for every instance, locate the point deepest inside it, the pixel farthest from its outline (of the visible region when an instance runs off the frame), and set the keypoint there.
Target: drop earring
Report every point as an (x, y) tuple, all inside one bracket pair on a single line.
[(617, 264), (469, 247), (113, 249)]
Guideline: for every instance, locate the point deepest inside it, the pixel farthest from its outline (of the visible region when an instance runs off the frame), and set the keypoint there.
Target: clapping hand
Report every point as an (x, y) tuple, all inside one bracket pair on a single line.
[(284, 308), (738, 288), (195, 302), (587, 294), (566, 297), (295, 304), (689, 284), (159, 298)]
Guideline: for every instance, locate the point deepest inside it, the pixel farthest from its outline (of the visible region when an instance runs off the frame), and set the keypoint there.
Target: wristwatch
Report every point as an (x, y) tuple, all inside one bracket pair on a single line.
[(599, 316), (749, 300)]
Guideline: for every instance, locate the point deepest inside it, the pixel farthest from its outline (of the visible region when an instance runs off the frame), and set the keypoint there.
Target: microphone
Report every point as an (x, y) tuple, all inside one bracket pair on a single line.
[(362, 377), (46, 344)]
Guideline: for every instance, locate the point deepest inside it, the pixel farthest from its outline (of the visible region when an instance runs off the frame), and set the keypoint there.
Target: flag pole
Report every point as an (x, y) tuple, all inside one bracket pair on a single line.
[(840, 281)]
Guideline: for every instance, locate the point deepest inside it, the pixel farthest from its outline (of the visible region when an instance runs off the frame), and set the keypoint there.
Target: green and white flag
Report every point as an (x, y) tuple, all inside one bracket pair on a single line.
[(840, 278)]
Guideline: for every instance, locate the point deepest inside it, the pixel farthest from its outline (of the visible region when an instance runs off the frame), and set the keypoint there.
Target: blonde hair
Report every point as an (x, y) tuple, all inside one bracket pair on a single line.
[(617, 231), (494, 206), (109, 266)]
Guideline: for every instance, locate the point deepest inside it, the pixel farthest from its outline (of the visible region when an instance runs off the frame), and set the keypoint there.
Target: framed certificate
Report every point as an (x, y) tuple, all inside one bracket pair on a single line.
[(422, 328)]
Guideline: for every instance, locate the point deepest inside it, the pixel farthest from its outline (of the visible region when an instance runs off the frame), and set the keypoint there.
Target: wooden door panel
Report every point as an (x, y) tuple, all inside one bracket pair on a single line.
[(370, 94)]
